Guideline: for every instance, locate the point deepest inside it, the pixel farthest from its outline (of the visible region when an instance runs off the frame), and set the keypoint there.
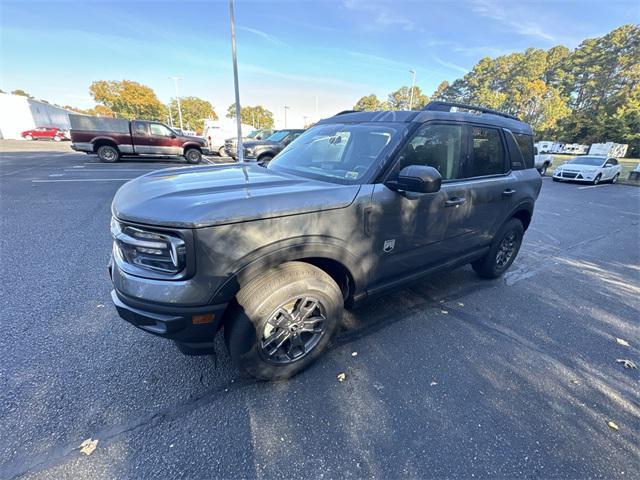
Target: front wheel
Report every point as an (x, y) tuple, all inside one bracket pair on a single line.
[(221, 152), (543, 171), (264, 160), (28, 137), (108, 154), (56, 139), (615, 178), (283, 321), (503, 251), (193, 155), (596, 180)]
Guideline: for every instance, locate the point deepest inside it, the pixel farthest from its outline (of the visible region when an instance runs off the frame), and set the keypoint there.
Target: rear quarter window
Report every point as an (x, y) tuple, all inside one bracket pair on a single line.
[(525, 143)]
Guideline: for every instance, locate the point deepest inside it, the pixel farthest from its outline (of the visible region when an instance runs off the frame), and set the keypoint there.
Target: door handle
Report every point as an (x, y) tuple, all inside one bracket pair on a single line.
[(455, 201), (508, 192)]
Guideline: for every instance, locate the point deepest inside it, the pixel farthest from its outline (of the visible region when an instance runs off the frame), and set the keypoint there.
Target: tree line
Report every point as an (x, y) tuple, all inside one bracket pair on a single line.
[(587, 95)]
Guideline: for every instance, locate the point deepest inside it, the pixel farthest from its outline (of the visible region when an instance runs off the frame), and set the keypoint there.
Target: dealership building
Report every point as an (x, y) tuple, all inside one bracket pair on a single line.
[(18, 113)]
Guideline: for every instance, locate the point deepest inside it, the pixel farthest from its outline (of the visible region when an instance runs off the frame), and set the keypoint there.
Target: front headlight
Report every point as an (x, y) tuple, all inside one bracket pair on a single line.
[(155, 251)]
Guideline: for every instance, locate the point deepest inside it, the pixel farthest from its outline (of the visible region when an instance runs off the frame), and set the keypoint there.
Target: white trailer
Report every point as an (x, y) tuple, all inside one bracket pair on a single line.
[(575, 149), (609, 149), (544, 146)]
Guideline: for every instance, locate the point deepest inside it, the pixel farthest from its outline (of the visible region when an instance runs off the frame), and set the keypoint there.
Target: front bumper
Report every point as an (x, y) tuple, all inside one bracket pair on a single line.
[(187, 325), (574, 177)]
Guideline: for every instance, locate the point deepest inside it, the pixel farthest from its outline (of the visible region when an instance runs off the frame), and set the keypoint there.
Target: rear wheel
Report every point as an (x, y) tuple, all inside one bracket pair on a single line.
[(596, 180), (108, 154), (503, 251), (221, 152), (28, 137), (193, 155), (543, 170), (283, 321), (56, 139)]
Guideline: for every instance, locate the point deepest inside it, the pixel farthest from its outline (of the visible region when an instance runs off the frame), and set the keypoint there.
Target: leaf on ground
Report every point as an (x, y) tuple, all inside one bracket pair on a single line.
[(88, 446), (342, 377), (354, 354), (444, 311), (433, 384), (613, 426), (626, 363), (622, 342)]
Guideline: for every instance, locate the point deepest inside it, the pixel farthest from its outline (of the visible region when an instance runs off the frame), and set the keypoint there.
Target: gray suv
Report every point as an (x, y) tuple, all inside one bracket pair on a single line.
[(358, 204)]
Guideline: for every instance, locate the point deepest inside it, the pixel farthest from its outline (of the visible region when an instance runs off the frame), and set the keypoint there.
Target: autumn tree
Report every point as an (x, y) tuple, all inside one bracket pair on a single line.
[(400, 99), (257, 116), (370, 103), (128, 99), (194, 112), (21, 93)]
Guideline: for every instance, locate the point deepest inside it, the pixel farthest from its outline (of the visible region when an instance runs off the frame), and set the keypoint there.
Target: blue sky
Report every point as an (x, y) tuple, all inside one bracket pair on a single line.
[(289, 52)]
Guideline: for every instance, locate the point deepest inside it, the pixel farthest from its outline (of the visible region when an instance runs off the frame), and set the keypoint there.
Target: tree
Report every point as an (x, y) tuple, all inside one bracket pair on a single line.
[(194, 112), (370, 103), (257, 116), (399, 100), (21, 93), (128, 99)]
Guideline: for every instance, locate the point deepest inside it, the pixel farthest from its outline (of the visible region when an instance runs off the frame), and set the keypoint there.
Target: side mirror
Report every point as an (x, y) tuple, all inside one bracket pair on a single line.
[(417, 178)]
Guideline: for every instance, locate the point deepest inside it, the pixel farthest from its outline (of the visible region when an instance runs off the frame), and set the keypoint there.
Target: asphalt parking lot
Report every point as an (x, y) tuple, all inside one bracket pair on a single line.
[(454, 377)]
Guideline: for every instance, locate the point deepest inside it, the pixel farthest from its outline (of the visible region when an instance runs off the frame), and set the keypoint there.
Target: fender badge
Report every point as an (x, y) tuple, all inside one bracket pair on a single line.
[(389, 245)]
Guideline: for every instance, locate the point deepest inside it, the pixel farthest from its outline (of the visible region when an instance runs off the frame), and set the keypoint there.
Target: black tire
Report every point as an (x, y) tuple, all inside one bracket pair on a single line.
[(543, 170), (193, 155), (555, 179), (494, 263), (264, 160), (28, 137), (221, 152), (615, 178), (271, 309), (108, 154), (596, 180)]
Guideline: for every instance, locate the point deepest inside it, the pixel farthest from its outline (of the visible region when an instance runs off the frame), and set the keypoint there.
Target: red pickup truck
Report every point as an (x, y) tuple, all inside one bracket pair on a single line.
[(112, 138)]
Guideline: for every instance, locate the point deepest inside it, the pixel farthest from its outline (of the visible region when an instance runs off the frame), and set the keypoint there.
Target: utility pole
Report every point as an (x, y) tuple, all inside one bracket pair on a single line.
[(304, 117), (285, 115), (175, 82), (413, 84), (235, 81), (170, 115)]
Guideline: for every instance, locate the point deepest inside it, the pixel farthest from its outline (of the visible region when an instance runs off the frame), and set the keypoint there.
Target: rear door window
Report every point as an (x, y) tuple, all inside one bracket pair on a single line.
[(487, 153), (140, 128)]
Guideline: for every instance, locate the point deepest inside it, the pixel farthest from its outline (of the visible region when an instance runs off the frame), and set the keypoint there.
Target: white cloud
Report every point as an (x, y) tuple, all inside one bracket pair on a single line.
[(267, 36), (511, 18), (451, 66), (381, 15)]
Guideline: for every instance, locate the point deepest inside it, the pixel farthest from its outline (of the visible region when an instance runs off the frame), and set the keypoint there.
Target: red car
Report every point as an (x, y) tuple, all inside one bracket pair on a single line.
[(46, 133)]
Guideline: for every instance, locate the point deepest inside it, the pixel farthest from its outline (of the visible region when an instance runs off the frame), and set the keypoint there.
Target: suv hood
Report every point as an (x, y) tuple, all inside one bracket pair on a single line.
[(216, 195)]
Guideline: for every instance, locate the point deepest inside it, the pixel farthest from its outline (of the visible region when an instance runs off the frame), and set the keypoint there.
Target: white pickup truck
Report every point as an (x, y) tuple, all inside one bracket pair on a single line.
[(542, 162)]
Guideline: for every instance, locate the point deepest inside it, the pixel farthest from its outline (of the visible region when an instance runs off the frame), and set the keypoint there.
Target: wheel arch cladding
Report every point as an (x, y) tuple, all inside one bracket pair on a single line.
[(340, 265), (524, 215), (100, 142)]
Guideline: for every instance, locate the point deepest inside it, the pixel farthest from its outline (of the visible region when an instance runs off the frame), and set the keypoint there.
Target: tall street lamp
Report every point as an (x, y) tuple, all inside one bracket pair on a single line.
[(413, 84), (285, 115), (235, 81), (175, 82)]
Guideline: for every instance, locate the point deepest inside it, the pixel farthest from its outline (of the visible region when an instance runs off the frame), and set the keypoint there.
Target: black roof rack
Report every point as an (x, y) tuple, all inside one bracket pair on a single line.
[(439, 106)]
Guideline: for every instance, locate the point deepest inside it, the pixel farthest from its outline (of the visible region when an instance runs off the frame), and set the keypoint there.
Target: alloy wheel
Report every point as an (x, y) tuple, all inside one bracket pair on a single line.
[(293, 330), (506, 250)]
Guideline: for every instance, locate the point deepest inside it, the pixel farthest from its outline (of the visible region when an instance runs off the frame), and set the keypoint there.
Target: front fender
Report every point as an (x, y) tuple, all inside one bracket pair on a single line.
[(298, 248)]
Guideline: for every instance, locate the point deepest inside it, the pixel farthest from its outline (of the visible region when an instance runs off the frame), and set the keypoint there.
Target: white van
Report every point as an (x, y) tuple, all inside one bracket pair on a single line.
[(217, 131)]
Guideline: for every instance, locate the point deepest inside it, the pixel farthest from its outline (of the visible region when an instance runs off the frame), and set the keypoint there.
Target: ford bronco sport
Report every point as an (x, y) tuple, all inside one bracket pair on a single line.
[(358, 204)]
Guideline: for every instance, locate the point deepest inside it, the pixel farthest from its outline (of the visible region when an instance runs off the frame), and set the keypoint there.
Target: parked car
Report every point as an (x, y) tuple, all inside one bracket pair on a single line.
[(217, 131), (112, 138), (542, 162), (360, 203), (589, 168), (263, 151), (46, 133), (231, 144)]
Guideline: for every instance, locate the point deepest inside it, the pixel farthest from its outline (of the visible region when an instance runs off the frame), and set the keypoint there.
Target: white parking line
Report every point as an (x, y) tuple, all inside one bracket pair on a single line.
[(592, 186), (85, 180)]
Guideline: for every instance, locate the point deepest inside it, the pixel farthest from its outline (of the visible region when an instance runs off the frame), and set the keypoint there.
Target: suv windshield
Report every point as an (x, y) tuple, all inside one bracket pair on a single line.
[(342, 153), (591, 161), (278, 136)]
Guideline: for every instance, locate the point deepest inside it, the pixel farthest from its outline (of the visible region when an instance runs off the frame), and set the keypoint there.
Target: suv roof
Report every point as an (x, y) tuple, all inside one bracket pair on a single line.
[(435, 111)]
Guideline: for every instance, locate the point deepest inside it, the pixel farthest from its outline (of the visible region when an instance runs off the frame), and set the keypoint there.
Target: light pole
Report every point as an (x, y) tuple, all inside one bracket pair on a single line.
[(170, 115), (285, 115), (235, 81), (413, 84), (304, 117), (175, 82)]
